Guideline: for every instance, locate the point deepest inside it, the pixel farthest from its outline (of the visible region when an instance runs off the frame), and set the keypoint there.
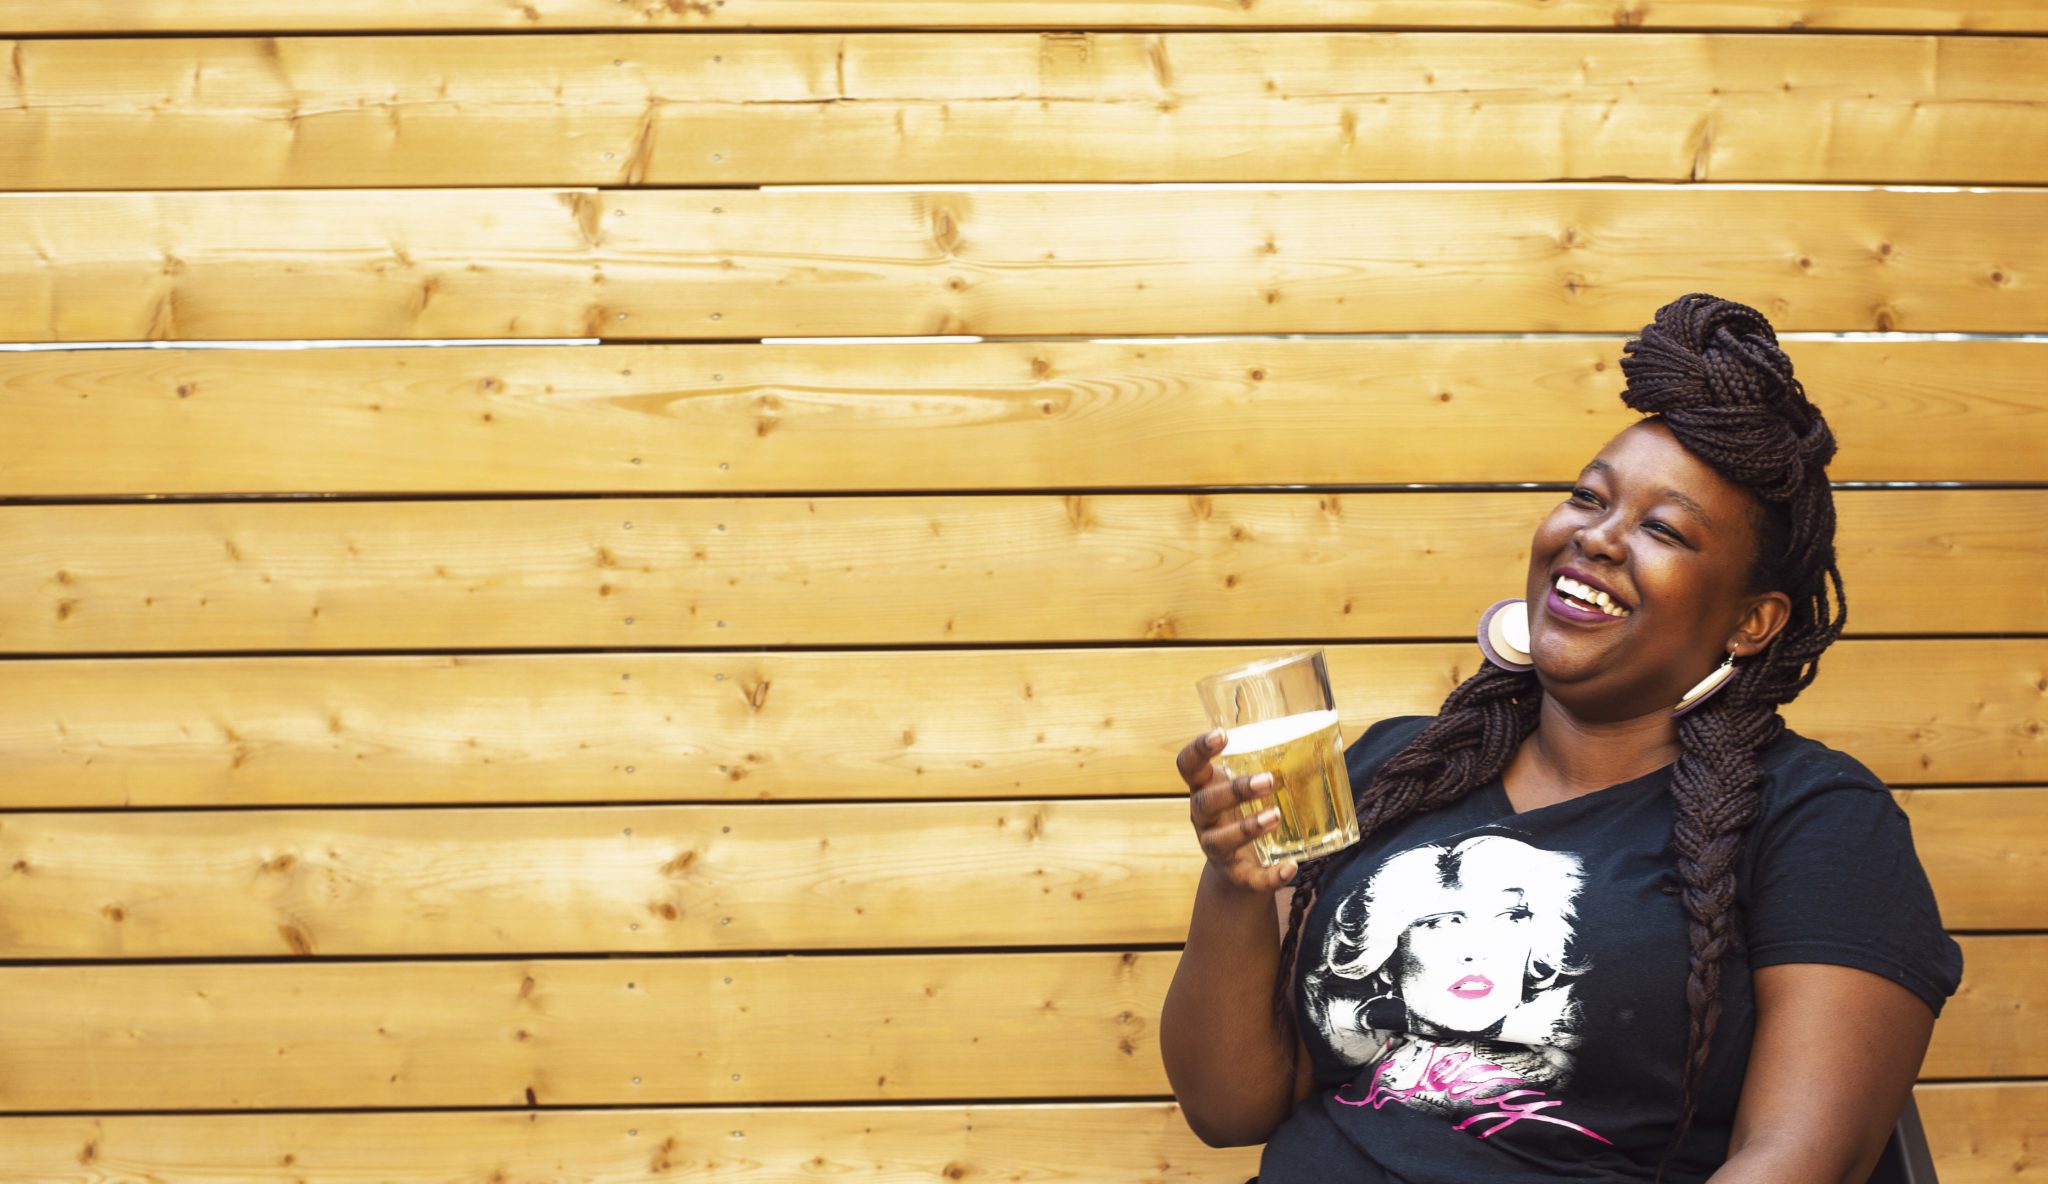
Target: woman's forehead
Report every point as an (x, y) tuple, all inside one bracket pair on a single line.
[(1647, 455)]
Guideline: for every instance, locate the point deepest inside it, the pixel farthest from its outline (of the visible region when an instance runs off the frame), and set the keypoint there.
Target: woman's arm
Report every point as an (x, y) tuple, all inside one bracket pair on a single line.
[(1832, 1065), (1227, 1056)]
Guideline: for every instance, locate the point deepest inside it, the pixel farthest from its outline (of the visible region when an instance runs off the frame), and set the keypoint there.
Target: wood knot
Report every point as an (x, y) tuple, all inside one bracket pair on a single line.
[(296, 938)]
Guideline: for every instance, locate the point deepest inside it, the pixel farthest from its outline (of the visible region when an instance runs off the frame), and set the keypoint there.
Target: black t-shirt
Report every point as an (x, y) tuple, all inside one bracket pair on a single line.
[(1500, 997)]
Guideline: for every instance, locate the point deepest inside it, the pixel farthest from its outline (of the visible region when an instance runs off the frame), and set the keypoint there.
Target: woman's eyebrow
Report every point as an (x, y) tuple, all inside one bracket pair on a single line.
[(1672, 495)]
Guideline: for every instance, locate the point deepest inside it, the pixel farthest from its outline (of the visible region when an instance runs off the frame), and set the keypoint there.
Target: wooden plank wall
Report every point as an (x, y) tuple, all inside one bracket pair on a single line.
[(684, 755)]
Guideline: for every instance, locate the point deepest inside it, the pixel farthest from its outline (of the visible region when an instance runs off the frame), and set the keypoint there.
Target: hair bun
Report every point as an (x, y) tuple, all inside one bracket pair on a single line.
[(1713, 369)]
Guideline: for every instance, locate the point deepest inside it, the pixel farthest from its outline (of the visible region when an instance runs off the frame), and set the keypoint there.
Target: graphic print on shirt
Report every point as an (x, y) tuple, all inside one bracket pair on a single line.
[(1447, 973)]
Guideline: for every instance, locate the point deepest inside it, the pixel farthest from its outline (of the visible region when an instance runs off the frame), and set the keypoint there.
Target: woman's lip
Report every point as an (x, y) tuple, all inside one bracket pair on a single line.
[(1559, 606), (1472, 986)]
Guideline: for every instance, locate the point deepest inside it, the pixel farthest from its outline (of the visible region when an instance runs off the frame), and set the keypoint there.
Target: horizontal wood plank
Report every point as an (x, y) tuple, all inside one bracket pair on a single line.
[(895, 570), (1128, 1141), (746, 727), (737, 108), (708, 878), (731, 1030), (121, 16), (939, 416), (1084, 260), (1986, 1133), (1980, 1133)]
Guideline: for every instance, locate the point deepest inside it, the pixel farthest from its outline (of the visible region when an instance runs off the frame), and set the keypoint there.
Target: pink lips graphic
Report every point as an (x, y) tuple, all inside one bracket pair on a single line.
[(1472, 986)]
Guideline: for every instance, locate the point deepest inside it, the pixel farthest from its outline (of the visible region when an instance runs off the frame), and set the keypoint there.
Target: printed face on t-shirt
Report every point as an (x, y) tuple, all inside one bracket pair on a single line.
[(1462, 968)]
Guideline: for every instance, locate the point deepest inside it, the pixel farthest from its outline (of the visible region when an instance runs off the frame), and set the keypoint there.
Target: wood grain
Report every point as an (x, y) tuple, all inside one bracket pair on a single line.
[(287, 1035), (118, 16), (318, 575), (738, 108), (939, 416), (1980, 1133), (1985, 1134), (734, 878), (1086, 260), (1126, 1141), (539, 728)]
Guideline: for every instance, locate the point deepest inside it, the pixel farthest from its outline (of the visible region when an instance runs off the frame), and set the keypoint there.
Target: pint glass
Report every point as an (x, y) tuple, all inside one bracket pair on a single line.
[(1278, 717)]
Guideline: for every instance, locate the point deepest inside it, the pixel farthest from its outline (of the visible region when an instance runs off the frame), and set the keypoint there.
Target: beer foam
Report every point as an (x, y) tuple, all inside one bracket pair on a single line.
[(1272, 732)]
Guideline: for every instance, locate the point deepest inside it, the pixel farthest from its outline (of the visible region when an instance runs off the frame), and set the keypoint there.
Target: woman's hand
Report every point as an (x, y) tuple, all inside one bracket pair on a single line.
[(1226, 839)]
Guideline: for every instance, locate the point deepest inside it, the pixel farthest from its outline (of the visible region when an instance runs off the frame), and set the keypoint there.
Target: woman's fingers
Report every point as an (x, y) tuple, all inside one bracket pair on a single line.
[(1223, 842), (1213, 802), (1220, 795), (1193, 759)]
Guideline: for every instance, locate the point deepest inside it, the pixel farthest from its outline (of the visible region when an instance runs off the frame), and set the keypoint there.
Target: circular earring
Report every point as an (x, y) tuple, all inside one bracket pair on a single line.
[(1504, 636), (1707, 687)]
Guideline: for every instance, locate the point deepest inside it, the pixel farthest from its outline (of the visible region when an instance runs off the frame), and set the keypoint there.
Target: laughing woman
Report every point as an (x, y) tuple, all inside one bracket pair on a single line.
[(1610, 919)]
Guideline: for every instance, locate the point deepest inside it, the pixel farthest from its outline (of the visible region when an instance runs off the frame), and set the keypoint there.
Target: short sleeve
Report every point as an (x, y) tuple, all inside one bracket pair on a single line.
[(1835, 879)]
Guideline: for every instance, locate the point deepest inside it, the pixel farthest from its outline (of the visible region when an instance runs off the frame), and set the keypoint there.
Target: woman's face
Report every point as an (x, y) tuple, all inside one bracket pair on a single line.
[(1462, 969), (1671, 542)]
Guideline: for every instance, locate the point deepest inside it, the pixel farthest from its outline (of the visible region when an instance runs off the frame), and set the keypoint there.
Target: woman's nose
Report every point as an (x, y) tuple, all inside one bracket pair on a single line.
[(1602, 538)]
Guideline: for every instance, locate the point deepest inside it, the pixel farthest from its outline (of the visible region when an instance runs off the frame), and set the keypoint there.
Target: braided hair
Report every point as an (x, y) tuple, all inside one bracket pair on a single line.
[(1710, 370)]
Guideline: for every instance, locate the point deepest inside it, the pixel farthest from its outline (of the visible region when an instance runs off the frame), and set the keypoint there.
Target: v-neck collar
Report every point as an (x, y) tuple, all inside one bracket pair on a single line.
[(1659, 776)]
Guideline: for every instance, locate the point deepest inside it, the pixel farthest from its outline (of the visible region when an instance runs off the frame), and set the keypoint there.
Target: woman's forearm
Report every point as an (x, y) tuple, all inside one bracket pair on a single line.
[(1782, 1165), (1226, 1054)]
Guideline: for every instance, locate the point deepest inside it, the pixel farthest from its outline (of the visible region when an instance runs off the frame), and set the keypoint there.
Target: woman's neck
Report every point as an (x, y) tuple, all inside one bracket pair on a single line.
[(1567, 756)]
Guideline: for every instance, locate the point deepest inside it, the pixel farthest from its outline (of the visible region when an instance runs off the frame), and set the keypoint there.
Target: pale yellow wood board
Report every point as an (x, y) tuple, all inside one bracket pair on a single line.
[(868, 1027), (859, 1027), (940, 416), (737, 108), (115, 16), (1980, 1133), (1138, 1142), (534, 728), (722, 263), (896, 570), (1986, 1133), (733, 878)]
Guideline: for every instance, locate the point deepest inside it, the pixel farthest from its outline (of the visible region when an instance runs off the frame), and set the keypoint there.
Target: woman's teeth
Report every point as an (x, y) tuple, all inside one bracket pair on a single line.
[(1589, 597)]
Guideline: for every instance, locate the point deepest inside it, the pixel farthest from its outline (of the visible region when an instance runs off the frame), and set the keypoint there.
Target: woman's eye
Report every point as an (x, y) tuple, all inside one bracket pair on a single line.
[(1582, 494), (1520, 912), (1666, 530)]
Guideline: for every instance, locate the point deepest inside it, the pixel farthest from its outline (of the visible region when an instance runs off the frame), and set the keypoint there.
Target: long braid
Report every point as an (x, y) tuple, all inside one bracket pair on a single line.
[(1713, 372)]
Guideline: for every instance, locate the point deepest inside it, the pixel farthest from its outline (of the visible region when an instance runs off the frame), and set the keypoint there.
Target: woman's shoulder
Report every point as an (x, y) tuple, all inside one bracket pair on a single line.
[(1800, 770)]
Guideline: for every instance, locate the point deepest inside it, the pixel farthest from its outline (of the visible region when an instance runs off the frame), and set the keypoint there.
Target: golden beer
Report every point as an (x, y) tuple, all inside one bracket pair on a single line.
[(1311, 786)]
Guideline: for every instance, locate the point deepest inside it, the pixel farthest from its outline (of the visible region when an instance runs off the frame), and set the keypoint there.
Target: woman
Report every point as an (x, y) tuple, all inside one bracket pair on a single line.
[(1750, 960)]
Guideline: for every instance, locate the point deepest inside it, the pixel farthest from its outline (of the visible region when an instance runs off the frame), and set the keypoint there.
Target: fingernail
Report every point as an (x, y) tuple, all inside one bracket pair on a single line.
[(1268, 817), (1263, 781), (1215, 738), (1287, 871)]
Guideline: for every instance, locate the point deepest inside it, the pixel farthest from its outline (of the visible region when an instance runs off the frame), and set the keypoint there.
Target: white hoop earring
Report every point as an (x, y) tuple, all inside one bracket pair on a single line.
[(1707, 687)]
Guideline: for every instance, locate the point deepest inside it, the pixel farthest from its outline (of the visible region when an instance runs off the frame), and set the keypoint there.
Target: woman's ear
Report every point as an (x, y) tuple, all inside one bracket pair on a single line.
[(1761, 620)]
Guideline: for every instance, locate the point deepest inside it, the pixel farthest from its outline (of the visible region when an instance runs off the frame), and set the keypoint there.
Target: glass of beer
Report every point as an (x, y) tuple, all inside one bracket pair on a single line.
[(1278, 717)]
